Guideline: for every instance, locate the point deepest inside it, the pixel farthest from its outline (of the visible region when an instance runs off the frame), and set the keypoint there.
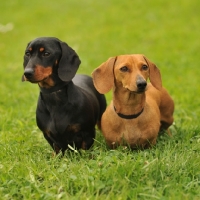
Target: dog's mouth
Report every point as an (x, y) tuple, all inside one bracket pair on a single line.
[(33, 80), (37, 74), (138, 91), (45, 82)]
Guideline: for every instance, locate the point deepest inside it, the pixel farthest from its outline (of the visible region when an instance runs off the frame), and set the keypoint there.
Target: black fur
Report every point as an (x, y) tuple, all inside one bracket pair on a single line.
[(69, 106)]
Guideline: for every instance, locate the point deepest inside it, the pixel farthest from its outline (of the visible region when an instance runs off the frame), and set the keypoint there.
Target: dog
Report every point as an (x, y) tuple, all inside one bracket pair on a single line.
[(68, 106), (138, 110)]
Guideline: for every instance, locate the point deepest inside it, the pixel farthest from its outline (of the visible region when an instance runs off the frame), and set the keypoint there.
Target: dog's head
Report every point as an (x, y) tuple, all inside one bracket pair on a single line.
[(48, 56), (128, 71)]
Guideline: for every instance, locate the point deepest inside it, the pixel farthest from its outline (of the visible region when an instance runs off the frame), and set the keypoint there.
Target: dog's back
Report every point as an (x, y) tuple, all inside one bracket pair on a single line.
[(165, 104), (86, 84)]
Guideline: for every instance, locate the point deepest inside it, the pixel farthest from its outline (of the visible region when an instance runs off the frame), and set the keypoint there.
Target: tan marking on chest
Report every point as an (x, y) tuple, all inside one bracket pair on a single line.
[(47, 83), (74, 128)]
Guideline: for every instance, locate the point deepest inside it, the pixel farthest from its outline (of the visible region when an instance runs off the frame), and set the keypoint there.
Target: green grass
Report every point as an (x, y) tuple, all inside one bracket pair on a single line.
[(167, 32)]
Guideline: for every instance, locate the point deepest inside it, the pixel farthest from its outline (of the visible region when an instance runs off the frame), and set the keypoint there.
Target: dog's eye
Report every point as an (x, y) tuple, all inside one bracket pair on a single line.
[(27, 53), (46, 54), (144, 67), (124, 69)]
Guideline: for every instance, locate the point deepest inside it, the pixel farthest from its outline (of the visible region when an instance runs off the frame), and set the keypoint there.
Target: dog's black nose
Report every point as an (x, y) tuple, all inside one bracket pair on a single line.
[(28, 73), (141, 84)]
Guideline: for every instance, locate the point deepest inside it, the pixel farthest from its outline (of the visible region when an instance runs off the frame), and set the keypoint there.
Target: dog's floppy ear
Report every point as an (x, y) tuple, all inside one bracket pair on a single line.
[(68, 64), (103, 76), (154, 75)]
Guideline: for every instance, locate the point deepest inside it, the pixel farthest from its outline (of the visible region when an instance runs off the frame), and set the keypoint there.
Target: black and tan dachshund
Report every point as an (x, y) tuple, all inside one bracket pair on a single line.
[(69, 106)]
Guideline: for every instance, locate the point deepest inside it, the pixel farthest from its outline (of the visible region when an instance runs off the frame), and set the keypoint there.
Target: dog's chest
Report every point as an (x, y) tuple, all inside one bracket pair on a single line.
[(56, 114), (132, 131)]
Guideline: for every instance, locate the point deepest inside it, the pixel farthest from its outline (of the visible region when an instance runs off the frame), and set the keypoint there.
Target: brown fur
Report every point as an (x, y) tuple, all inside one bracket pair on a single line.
[(153, 101)]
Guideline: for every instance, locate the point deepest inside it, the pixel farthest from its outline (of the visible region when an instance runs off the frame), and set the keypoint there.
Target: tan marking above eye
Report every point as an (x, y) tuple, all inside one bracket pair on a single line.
[(41, 49), (30, 49)]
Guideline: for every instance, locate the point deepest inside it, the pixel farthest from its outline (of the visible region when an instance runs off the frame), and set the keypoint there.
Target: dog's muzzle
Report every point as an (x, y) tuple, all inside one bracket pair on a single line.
[(141, 84), (29, 73)]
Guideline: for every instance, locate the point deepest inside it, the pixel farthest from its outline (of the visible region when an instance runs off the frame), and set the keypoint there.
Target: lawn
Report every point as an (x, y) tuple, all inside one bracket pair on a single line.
[(167, 32)]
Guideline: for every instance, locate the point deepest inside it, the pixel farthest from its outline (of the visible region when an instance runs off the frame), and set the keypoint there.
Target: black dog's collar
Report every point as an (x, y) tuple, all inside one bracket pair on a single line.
[(54, 88), (129, 116)]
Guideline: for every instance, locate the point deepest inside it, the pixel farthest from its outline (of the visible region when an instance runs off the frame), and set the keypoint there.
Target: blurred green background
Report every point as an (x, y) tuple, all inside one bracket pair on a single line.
[(167, 32)]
